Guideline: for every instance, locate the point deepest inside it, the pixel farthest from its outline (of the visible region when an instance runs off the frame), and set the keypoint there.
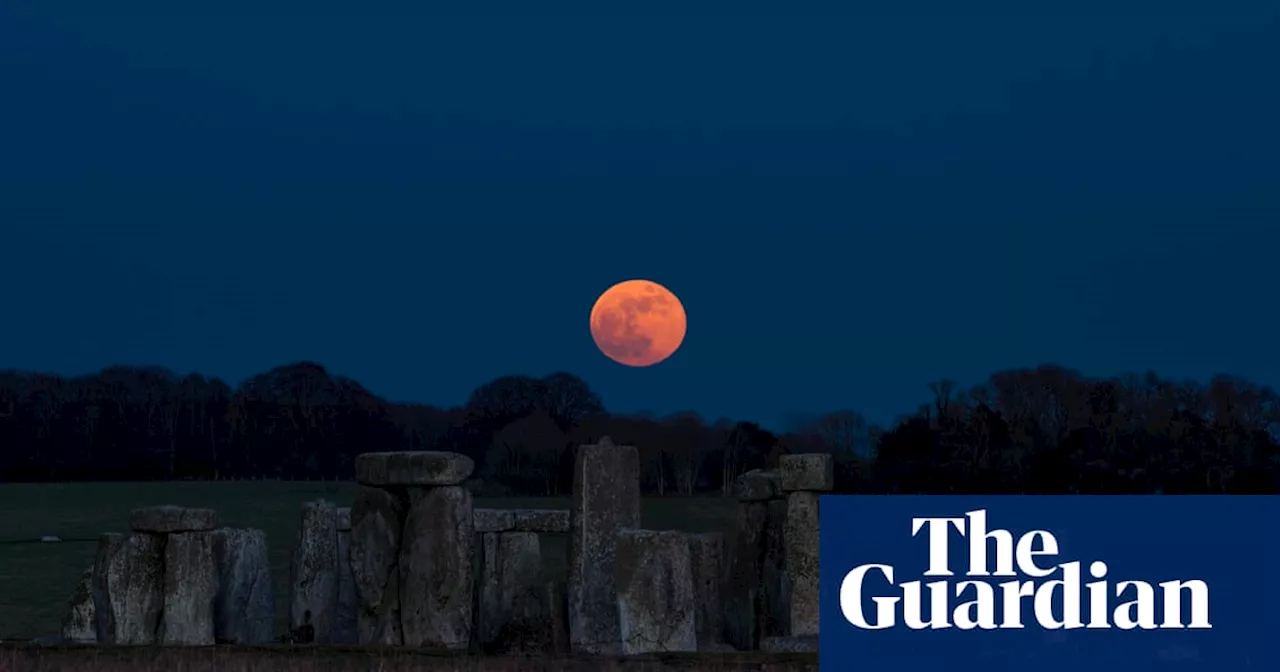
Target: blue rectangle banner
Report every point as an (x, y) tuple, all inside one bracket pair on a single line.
[(1049, 583)]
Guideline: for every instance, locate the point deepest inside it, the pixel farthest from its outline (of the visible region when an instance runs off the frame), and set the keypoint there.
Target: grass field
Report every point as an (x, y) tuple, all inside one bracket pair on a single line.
[(37, 578), (364, 659)]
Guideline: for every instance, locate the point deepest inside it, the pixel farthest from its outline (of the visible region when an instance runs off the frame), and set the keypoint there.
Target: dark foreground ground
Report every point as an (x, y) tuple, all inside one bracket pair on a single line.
[(32, 658)]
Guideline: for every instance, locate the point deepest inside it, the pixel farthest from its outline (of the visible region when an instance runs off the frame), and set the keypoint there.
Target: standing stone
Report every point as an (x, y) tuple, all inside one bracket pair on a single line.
[(170, 519), (436, 577), (313, 599), (776, 608), (104, 620), (190, 586), (420, 468), (802, 561), (78, 622), (657, 608), (244, 610), (376, 523), (706, 553), (511, 594), (129, 588), (606, 499), (812, 472), (345, 628), (757, 485), (790, 644), (558, 616), (494, 520), (743, 576), (554, 521)]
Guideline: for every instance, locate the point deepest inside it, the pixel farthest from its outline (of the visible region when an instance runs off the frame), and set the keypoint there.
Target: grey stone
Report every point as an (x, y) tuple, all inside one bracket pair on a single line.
[(244, 610), (345, 628), (743, 576), (190, 586), (758, 485), (775, 584), (343, 523), (790, 644), (558, 616), (413, 468), (377, 519), (78, 621), (129, 588), (170, 519), (50, 539), (313, 595), (554, 521), (109, 544), (494, 520), (606, 499), (802, 561), (436, 579), (706, 556), (512, 598), (657, 609), (813, 472)]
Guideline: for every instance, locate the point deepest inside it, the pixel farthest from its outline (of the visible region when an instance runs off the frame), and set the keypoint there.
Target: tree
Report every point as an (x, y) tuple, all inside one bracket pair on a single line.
[(1041, 430), (527, 452)]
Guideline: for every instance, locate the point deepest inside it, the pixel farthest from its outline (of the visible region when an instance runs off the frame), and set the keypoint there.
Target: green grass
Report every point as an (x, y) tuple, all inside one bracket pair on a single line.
[(37, 578)]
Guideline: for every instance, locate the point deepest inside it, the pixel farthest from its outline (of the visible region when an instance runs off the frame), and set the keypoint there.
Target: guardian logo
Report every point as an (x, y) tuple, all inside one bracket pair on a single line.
[(992, 605), (1070, 583)]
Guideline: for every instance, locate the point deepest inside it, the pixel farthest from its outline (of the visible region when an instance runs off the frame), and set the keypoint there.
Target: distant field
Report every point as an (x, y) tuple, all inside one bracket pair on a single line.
[(37, 578)]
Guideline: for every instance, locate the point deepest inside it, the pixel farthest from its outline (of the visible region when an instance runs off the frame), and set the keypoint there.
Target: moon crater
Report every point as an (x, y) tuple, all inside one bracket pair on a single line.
[(638, 323)]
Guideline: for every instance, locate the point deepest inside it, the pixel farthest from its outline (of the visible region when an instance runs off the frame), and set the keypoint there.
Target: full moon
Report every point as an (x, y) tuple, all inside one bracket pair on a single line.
[(638, 323)]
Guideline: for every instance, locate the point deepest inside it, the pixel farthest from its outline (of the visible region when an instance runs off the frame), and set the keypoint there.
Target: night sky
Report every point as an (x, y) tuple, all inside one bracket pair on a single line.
[(851, 201)]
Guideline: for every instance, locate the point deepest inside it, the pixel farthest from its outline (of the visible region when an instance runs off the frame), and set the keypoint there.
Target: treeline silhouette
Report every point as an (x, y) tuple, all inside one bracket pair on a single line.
[(1044, 430)]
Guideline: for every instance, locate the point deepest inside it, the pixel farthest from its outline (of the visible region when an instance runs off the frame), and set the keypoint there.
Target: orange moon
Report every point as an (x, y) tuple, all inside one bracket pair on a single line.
[(638, 323)]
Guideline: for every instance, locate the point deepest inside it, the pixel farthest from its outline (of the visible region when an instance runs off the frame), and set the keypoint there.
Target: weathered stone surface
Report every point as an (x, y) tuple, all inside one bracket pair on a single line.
[(776, 603), (790, 644), (512, 597), (743, 575), (706, 557), (129, 588), (244, 610), (606, 498), (542, 520), (436, 577), (78, 621), (190, 586), (377, 519), (558, 616), (169, 519), (345, 628), (814, 472), (758, 485), (413, 468), (313, 578), (657, 609), (344, 519), (802, 561), (104, 622), (494, 520)]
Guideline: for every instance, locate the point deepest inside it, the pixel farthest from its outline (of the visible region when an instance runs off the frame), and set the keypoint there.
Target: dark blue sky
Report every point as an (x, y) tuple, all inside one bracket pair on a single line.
[(851, 200)]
